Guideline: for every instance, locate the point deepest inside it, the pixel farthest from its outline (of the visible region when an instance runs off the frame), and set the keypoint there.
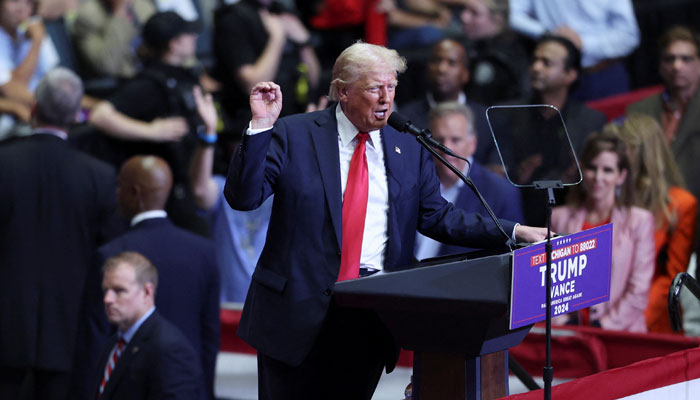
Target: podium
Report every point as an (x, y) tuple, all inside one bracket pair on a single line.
[(454, 315)]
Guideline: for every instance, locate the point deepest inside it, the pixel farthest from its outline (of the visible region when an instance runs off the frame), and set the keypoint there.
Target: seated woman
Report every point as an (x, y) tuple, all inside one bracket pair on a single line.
[(606, 195), (658, 188)]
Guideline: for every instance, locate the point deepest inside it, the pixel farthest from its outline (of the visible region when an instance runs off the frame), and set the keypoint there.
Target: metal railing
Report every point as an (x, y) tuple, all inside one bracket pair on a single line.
[(674, 292)]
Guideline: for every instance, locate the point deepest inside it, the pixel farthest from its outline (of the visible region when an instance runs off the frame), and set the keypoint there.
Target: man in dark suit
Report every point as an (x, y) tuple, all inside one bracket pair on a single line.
[(452, 124), (307, 346), (189, 291), (447, 74), (677, 108), (148, 358), (56, 207)]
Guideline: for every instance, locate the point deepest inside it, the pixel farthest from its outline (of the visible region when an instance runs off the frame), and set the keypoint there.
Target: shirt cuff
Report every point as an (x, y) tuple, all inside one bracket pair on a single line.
[(512, 235), (251, 131)]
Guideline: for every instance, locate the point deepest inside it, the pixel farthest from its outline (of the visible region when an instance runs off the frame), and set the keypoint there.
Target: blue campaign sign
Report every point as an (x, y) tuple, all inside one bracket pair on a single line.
[(580, 275)]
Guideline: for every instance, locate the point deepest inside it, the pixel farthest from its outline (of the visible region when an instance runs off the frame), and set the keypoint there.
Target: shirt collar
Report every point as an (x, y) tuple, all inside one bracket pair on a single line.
[(461, 99), (347, 131), (129, 334), (148, 215), (50, 131)]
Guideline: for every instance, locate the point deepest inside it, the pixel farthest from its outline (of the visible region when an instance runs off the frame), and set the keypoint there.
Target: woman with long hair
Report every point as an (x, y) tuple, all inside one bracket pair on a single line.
[(658, 187), (606, 195)]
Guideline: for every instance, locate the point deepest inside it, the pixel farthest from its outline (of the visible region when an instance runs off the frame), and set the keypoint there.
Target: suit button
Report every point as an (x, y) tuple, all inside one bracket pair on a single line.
[(337, 254), (327, 292)]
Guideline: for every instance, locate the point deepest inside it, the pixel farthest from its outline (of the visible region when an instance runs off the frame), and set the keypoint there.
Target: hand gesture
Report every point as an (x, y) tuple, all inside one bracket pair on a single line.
[(265, 104), (169, 129), (205, 108)]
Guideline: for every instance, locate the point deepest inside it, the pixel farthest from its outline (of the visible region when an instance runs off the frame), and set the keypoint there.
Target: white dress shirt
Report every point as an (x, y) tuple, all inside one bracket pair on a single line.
[(426, 247), (375, 236), (148, 215)]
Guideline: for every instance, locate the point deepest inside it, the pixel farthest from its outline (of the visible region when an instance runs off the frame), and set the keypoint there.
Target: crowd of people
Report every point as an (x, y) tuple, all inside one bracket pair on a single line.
[(163, 145)]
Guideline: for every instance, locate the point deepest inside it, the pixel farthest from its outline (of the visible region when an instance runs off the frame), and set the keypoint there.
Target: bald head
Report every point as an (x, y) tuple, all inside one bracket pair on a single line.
[(144, 184)]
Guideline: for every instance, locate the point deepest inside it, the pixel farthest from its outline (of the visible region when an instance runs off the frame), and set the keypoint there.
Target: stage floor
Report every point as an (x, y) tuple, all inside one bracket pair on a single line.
[(236, 379)]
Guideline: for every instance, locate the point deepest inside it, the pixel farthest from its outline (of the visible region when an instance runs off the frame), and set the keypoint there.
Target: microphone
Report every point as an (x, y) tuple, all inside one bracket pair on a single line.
[(403, 124)]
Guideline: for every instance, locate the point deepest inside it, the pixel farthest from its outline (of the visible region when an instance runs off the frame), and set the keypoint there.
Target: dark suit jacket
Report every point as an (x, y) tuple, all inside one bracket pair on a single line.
[(501, 196), (188, 286), (56, 206), (157, 363), (486, 153), (298, 160)]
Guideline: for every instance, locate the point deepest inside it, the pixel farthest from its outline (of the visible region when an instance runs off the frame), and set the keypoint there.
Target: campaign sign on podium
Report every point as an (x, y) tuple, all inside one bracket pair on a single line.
[(580, 275)]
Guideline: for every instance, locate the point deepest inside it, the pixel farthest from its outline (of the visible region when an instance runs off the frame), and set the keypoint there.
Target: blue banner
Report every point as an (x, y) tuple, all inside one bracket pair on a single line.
[(580, 275)]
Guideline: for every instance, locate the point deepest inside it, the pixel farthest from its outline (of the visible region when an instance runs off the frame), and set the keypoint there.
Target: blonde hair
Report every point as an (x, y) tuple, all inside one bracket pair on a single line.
[(654, 171), (144, 270), (359, 59)]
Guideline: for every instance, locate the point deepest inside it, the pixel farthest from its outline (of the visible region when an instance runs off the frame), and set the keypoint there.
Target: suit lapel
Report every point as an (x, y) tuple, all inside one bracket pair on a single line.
[(687, 128), (393, 163), (325, 141), (128, 353)]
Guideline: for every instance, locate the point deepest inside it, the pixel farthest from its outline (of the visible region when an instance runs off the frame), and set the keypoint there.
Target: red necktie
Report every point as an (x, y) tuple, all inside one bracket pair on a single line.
[(111, 363), (354, 211)]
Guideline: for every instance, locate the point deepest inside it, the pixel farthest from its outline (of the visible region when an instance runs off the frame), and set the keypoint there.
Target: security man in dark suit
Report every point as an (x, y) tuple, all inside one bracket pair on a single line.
[(189, 294), (148, 357)]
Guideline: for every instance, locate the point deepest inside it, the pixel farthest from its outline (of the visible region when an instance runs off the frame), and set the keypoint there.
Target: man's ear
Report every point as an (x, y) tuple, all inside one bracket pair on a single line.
[(135, 190), (149, 290), (342, 93)]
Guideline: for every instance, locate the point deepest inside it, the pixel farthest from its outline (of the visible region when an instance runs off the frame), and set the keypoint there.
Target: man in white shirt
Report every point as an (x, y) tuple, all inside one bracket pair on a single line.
[(350, 194)]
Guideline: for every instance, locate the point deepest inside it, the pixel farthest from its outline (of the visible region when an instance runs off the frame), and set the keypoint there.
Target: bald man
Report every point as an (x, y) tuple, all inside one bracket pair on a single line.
[(188, 294)]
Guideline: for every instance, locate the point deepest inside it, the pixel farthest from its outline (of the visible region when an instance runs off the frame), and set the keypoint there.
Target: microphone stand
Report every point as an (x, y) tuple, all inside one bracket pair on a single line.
[(548, 370), (426, 140)]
